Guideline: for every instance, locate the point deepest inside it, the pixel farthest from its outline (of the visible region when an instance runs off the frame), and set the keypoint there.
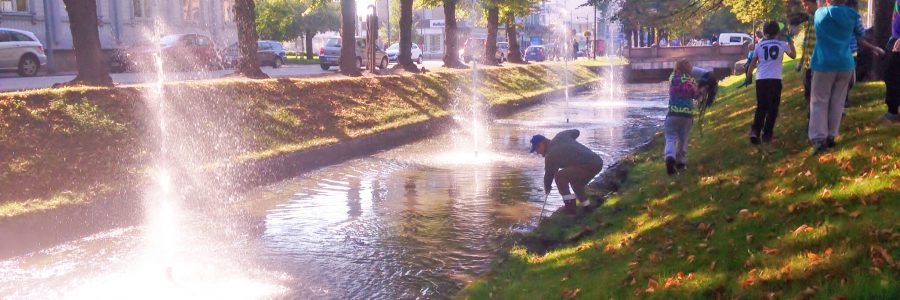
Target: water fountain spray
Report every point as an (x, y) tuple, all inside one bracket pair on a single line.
[(475, 106)]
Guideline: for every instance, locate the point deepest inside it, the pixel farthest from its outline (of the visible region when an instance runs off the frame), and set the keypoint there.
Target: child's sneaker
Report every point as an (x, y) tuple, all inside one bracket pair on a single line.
[(670, 165), (820, 147), (892, 118), (829, 142), (767, 138), (680, 166), (754, 138)]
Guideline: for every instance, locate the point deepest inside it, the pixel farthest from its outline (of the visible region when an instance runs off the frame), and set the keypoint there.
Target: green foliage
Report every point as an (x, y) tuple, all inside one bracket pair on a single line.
[(748, 11), (284, 20)]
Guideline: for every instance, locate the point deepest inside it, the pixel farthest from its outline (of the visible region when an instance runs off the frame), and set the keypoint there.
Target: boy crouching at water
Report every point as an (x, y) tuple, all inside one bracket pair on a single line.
[(679, 119), (769, 56)]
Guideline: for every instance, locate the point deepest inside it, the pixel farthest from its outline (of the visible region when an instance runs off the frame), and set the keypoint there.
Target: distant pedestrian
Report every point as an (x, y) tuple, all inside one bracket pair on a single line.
[(570, 163), (892, 71), (769, 56), (679, 119), (575, 49), (833, 66)]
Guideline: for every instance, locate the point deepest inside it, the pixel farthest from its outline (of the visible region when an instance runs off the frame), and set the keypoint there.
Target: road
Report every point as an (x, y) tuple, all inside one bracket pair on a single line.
[(12, 82)]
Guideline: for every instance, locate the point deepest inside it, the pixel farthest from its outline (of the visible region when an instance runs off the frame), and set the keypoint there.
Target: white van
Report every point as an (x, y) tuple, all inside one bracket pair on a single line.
[(726, 39)]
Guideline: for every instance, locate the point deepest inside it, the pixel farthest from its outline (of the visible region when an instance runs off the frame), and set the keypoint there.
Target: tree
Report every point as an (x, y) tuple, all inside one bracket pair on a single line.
[(493, 22), (451, 40), (316, 20), (245, 17), (89, 59), (509, 9), (349, 63), (882, 32), (284, 20), (404, 58)]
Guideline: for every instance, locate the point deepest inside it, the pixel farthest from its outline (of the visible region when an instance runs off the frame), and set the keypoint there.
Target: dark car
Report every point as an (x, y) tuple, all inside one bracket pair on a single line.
[(268, 53), (178, 51), (535, 53)]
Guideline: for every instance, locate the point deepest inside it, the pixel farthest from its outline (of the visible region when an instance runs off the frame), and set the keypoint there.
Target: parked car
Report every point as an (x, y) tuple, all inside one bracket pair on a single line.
[(178, 51), (535, 53), (734, 39), (474, 49), (268, 53), (394, 50), (21, 51), (503, 47), (330, 54)]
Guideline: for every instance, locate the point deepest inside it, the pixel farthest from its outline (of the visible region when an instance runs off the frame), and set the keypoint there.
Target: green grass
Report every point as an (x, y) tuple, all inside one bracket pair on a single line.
[(742, 222), (68, 146), (301, 60)]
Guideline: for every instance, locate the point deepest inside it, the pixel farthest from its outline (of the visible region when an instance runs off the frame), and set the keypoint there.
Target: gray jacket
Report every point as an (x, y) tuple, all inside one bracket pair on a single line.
[(563, 152)]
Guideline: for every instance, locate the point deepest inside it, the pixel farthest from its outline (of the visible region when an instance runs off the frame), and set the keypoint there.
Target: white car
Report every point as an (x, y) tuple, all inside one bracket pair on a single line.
[(726, 39), (394, 50), (21, 51)]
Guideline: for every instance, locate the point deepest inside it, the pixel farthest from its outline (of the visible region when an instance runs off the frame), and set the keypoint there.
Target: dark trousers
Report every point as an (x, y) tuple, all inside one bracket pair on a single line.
[(892, 80), (807, 87), (578, 177), (768, 98)]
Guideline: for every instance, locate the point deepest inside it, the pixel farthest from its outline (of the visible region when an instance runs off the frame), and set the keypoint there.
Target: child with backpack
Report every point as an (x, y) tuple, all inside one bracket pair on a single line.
[(769, 54)]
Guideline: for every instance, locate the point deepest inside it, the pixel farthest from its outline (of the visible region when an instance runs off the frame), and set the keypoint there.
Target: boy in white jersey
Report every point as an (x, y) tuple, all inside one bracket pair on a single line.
[(768, 57)]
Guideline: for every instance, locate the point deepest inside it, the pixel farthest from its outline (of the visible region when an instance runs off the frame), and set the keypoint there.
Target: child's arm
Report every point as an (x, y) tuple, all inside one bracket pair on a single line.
[(750, 68), (792, 51)]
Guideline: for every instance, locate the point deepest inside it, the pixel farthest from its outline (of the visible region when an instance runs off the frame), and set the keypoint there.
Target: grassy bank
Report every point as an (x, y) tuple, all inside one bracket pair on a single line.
[(741, 222), (68, 146)]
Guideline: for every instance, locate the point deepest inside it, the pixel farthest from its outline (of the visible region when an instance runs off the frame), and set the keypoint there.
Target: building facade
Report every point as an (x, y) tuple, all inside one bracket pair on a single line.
[(122, 23)]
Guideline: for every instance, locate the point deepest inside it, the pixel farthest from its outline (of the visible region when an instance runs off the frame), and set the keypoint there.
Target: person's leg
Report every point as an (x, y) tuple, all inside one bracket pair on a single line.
[(712, 91), (580, 179), (822, 85), (774, 95), (563, 179), (759, 114), (849, 88), (684, 135), (892, 86), (836, 103), (671, 134)]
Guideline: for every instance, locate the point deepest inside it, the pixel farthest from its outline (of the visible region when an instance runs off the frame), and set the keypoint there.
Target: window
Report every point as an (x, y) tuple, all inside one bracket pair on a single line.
[(14, 6), (190, 10), (734, 39), (201, 40), (20, 37), (264, 46), (228, 10), (141, 8), (5, 37)]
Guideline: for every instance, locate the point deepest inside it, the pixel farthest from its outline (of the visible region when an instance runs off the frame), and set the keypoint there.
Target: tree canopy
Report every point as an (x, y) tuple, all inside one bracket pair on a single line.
[(284, 20)]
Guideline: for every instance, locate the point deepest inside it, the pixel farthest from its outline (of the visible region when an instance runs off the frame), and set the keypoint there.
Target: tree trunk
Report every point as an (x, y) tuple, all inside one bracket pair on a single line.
[(490, 44), (245, 17), (882, 28), (515, 53), (404, 58), (308, 36), (89, 59), (348, 60), (451, 49)]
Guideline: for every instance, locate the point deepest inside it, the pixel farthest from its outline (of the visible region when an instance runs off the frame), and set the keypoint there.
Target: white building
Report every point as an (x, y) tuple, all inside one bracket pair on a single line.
[(122, 22)]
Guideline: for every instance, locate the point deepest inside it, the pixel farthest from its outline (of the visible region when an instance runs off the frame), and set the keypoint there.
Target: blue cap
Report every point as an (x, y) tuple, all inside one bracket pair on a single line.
[(536, 140)]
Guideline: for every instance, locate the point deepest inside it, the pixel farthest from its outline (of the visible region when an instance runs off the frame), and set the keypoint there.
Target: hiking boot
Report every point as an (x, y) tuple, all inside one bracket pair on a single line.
[(754, 138), (670, 165), (891, 118), (829, 142), (680, 166), (767, 138)]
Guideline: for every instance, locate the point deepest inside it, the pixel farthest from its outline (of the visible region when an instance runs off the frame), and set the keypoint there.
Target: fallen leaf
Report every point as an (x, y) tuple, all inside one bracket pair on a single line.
[(744, 213), (652, 285), (702, 227), (632, 265), (826, 193), (855, 214), (655, 257), (691, 258), (712, 266), (828, 251), (803, 228), (609, 249), (768, 250), (570, 293)]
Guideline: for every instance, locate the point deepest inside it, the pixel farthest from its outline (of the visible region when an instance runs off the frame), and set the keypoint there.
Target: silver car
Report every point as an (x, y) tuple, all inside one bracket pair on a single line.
[(21, 51), (330, 54)]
